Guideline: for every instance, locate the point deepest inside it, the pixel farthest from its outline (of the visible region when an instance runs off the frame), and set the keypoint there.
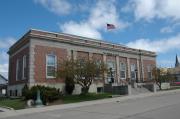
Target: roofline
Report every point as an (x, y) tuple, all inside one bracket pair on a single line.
[(18, 41), (80, 38), (3, 77), (90, 39)]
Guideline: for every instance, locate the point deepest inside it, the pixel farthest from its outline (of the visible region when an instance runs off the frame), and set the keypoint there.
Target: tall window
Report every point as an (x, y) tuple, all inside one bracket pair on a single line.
[(133, 73), (51, 63), (111, 71), (98, 63), (24, 67), (122, 70), (18, 69), (149, 71)]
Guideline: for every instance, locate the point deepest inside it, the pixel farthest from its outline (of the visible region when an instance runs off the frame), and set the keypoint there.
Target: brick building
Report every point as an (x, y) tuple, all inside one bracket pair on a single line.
[(33, 59)]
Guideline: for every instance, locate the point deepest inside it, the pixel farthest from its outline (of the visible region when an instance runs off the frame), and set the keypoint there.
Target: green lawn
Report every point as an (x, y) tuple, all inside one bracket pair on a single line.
[(87, 97), (20, 104), (13, 103)]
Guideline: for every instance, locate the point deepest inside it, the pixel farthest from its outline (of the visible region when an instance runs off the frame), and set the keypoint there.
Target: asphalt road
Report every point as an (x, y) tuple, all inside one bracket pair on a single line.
[(165, 106)]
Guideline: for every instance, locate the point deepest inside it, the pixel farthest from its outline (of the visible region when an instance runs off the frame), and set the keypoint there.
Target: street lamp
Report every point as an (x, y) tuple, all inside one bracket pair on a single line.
[(111, 74), (136, 75)]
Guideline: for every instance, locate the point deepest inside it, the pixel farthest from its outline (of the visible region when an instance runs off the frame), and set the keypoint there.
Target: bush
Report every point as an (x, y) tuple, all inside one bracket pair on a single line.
[(48, 94)]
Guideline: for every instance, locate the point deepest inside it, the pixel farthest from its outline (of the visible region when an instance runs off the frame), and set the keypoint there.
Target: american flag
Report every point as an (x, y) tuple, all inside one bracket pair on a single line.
[(111, 26)]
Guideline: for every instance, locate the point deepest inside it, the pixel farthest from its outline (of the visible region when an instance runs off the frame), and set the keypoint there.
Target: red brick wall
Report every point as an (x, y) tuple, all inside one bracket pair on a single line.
[(111, 58), (97, 57), (133, 61), (12, 66), (123, 59), (145, 64), (82, 55), (40, 62)]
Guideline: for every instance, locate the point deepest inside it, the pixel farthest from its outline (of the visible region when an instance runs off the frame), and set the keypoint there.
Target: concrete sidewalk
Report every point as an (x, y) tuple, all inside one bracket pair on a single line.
[(81, 104), (5, 109)]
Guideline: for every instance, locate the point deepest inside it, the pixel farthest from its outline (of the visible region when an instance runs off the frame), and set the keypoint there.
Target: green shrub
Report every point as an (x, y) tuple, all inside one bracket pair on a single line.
[(48, 94)]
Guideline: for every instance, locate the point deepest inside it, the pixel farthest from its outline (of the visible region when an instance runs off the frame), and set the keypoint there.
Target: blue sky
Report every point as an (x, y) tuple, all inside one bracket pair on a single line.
[(145, 24)]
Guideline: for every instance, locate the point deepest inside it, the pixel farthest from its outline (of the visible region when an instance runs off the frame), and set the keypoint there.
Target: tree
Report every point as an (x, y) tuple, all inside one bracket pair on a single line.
[(82, 72), (67, 71), (161, 75)]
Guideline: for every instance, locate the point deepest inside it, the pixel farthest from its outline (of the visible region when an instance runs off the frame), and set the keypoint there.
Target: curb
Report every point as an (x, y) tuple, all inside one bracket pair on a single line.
[(81, 104)]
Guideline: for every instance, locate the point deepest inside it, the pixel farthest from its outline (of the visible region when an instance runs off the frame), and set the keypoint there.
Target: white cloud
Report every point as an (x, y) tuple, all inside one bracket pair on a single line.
[(4, 56), (6, 42), (161, 45), (170, 28), (81, 29), (100, 14), (165, 63), (4, 69), (167, 29), (149, 9), (58, 7)]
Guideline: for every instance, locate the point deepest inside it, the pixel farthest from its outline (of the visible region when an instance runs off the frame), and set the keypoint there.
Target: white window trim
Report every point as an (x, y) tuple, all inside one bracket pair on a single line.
[(109, 62), (133, 78), (123, 70), (17, 68), (51, 77), (24, 66), (149, 70)]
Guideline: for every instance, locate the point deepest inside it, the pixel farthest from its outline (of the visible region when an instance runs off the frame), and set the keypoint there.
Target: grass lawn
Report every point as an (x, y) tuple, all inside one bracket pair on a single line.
[(21, 104), (87, 97), (13, 103)]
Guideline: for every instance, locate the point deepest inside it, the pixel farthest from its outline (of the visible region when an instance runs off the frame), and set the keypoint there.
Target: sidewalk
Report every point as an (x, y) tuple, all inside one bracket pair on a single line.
[(81, 104), (5, 109)]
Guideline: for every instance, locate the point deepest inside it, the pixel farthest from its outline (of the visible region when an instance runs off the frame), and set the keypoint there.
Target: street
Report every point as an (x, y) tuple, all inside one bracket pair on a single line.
[(166, 106)]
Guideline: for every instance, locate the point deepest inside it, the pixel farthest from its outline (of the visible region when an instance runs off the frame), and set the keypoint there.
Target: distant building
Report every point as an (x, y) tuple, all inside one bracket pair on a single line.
[(33, 60), (177, 65), (3, 86), (176, 70)]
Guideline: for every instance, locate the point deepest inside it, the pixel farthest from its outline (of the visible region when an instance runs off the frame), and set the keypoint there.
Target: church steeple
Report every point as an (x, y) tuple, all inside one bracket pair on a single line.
[(177, 62)]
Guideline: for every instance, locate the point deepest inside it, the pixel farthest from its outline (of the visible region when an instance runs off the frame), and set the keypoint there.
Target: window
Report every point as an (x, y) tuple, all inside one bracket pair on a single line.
[(149, 71), (51, 66), (3, 91), (111, 71), (24, 67), (133, 73), (81, 62), (16, 92), (98, 63), (99, 89), (122, 70), (10, 92), (18, 69)]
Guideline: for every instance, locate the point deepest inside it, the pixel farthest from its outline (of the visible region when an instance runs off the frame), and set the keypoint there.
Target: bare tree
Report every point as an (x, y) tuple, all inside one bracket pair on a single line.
[(161, 75), (83, 72)]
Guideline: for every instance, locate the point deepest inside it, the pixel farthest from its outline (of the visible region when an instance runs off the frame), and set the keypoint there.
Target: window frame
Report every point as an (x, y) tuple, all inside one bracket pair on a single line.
[(55, 66), (98, 63), (121, 64), (133, 71), (149, 70), (111, 64)]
